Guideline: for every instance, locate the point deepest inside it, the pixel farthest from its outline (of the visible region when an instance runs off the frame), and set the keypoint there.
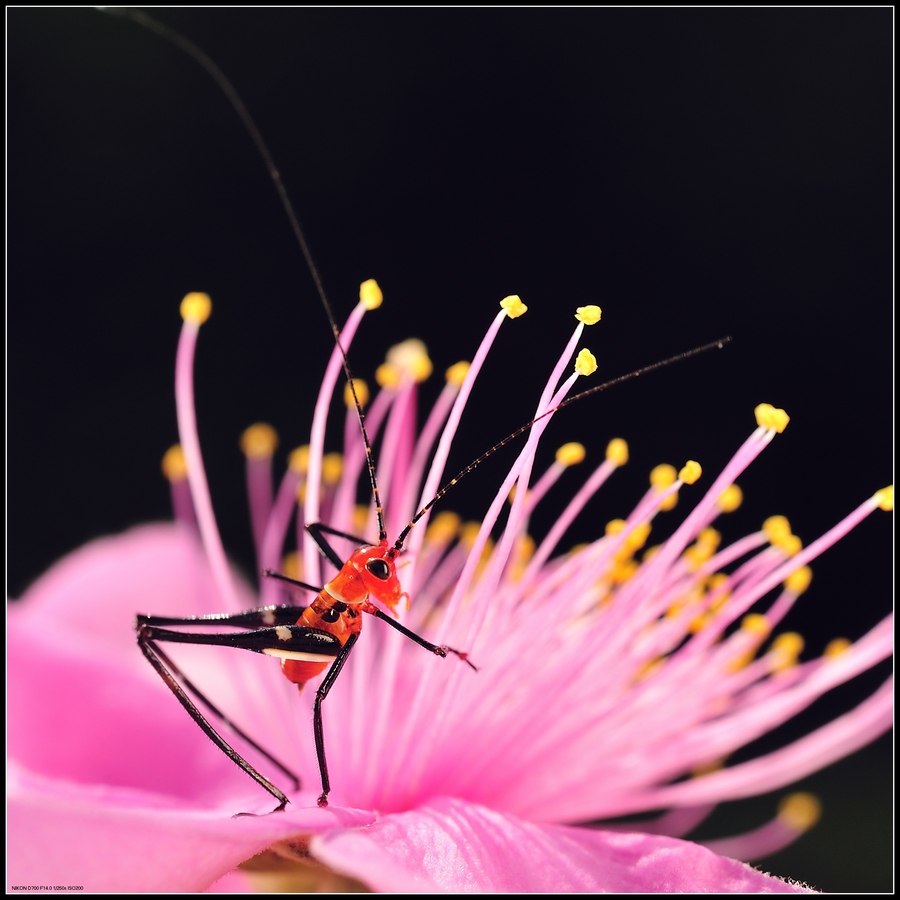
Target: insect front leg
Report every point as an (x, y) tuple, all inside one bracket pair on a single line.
[(438, 650)]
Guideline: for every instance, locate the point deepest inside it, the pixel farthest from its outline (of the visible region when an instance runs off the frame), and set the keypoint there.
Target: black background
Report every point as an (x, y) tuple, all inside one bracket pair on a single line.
[(697, 173)]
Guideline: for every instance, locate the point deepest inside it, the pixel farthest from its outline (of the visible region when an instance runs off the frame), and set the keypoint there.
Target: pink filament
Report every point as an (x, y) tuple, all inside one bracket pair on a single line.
[(190, 443)]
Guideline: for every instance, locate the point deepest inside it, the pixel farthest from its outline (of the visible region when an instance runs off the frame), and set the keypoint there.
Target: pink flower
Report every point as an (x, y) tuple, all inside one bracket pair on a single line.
[(611, 679)]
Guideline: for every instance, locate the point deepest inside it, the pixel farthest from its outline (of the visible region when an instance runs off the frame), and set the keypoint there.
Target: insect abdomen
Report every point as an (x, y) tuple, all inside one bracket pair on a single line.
[(323, 614)]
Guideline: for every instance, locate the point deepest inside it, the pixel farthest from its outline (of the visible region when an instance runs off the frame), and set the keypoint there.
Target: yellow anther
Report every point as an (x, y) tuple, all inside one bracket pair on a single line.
[(740, 661), (757, 625), (700, 622), (174, 465), (196, 308), (615, 526), (676, 609), (443, 528), (524, 550), (625, 570), (514, 306), (669, 503), (259, 441), (709, 537), (650, 552), (362, 393), (649, 668), (776, 528), (790, 544), (797, 582), (697, 554), (411, 358), (663, 476), (589, 315), (456, 374), (291, 566), (730, 499), (716, 580), (715, 765), (800, 811), (716, 588), (617, 452), (468, 533), (637, 537), (756, 628), (768, 416), (332, 466), (300, 494), (360, 518), (570, 454), (370, 294), (885, 498), (690, 472), (387, 376), (585, 362), (786, 648), (836, 648), (298, 460)]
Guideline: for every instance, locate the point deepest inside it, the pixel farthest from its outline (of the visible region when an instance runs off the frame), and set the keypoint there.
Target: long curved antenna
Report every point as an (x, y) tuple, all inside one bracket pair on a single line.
[(192, 50), (227, 88), (712, 345)]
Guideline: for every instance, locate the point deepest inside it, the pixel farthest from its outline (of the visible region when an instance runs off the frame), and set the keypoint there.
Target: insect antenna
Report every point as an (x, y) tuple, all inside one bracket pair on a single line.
[(196, 53), (712, 345), (234, 98)]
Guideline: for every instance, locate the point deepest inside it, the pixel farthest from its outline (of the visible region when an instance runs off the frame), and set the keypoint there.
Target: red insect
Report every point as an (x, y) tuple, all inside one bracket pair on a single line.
[(308, 640)]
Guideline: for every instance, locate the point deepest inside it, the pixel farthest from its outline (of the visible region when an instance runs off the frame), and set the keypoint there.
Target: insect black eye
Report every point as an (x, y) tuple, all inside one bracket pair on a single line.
[(379, 568)]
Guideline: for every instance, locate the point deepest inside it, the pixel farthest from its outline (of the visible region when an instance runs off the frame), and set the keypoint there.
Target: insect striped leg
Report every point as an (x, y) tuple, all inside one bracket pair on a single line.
[(170, 674), (438, 650), (321, 694), (263, 617), (281, 640)]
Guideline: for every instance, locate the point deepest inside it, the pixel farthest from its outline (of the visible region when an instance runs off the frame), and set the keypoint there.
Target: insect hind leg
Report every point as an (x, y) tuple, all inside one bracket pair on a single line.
[(263, 617), (171, 676)]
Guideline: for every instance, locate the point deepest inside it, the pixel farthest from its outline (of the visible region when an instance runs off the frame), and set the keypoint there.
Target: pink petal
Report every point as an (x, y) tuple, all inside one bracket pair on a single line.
[(83, 703), (74, 714), (72, 646), (449, 845), (93, 593), (106, 840)]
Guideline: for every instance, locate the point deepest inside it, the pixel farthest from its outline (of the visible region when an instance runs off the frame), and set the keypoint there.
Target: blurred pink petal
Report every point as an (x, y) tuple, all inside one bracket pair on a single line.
[(96, 590), (450, 845), (109, 839)]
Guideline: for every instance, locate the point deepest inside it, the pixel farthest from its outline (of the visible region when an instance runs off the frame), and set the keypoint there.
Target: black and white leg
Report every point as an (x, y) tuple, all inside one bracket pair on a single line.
[(321, 694), (276, 640), (438, 650)]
